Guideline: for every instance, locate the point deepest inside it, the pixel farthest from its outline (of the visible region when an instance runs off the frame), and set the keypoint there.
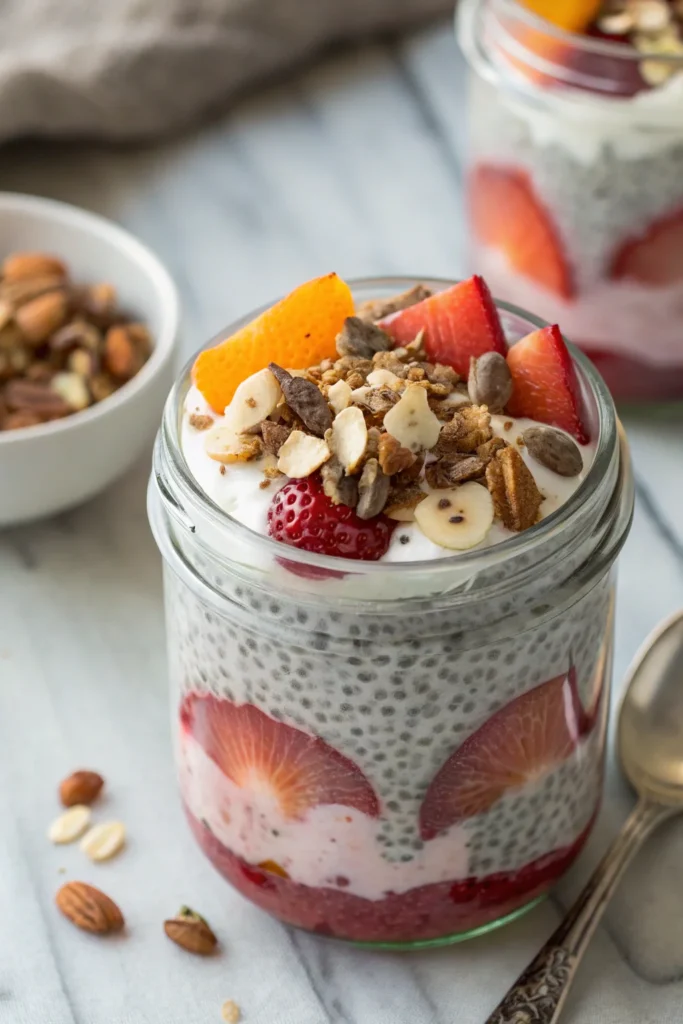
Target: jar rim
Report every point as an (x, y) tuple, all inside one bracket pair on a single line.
[(191, 504)]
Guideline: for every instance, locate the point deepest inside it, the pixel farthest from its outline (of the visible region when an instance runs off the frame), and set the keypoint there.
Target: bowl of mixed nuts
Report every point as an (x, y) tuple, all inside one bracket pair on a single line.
[(88, 325)]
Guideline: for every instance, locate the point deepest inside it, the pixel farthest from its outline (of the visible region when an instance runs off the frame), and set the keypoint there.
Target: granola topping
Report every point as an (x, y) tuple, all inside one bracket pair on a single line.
[(387, 432)]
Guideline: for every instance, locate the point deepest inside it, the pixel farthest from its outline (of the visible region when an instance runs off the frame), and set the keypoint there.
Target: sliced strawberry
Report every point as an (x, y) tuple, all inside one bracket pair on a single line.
[(257, 753), (507, 214), (656, 257), (302, 515), (522, 742), (458, 323), (545, 384)]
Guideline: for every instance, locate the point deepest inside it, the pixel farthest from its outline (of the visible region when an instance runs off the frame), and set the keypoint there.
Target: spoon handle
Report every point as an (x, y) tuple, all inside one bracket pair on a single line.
[(538, 995)]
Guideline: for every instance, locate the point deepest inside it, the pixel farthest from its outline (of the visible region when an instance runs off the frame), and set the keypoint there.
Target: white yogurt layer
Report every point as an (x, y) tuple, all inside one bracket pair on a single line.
[(237, 490), (584, 123)]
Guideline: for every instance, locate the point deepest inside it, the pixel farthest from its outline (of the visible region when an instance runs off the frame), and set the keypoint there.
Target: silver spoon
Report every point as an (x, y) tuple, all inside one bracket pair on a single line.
[(650, 744)]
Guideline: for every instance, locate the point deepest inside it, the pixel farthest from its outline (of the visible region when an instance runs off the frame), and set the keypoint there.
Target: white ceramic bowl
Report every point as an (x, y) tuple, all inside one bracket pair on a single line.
[(54, 466)]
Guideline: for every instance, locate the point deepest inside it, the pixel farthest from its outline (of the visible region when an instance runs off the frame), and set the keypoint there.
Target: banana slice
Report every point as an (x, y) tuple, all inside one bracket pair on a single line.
[(457, 518), (349, 438), (412, 422), (302, 454), (339, 396), (254, 399)]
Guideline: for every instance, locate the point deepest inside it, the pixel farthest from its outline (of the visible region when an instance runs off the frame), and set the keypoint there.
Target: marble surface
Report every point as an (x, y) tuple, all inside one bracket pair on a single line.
[(354, 165)]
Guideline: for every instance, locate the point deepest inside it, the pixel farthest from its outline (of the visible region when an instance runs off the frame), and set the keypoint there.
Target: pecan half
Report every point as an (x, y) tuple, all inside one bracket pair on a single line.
[(393, 458)]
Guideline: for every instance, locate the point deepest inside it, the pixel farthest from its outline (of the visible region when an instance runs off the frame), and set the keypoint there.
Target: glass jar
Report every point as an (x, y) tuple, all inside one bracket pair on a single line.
[(396, 754), (575, 189)]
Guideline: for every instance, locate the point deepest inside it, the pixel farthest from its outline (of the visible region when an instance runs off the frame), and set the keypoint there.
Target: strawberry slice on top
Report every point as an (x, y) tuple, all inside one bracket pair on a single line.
[(507, 214), (655, 258), (545, 383), (520, 743), (261, 755), (458, 323)]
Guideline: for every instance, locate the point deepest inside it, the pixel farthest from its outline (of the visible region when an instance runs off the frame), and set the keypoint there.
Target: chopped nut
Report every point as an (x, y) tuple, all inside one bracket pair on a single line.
[(274, 435), (516, 498), (412, 473), (339, 395), (360, 338), (352, 364), (84, 362), (415, 373), (77, 334), (553, 449), (264, 484), (373, 490), (454, 469), (305, 399), (16, 293), (381, 377), (122, 355), (402, 502), (412, 422), (487, 450), (72, 388), (231, 1012), (392, 456), (302, 454), (102, 386), (355, 380), (200, 421), (490, 381), (469, 428), (339, 488), (348, 438), (378, 401), (223, 445), (390, 361), (190, 931), (377, 309), (439, 374)]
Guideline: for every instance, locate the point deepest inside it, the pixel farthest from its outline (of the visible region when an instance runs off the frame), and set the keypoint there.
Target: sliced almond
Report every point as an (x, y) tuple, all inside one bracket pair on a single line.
[(403, 501), (104, 841), (302, 454), (457, 518), (349, 438), (412, 422), (382, 376), (339, 396), (70, 826), (223, 445), (254, 400)]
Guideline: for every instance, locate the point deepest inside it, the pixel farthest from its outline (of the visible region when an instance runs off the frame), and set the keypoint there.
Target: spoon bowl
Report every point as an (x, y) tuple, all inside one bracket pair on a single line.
[(650, 732)]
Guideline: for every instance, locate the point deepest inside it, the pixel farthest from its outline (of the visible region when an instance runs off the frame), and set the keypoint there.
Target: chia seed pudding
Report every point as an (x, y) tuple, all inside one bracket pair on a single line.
[(404, 747), (575, 194)]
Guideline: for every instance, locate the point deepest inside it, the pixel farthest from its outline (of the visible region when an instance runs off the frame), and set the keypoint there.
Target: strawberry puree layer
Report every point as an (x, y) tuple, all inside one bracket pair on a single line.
[(329, 843), (620, 317), (425, 912)]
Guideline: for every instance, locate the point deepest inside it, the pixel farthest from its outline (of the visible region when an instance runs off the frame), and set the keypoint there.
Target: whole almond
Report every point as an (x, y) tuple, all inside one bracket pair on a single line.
[(122, 355), (18, 292), (40, 317), (490, 381), (89, 908), (31, 264), (190, 931), (81, 787)]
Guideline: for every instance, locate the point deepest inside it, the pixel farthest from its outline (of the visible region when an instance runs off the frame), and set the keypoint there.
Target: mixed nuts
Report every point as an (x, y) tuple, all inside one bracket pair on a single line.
[(63, 346)]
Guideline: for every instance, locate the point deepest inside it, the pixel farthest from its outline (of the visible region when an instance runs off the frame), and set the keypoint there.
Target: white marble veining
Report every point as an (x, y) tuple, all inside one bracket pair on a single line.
[(353, 166)]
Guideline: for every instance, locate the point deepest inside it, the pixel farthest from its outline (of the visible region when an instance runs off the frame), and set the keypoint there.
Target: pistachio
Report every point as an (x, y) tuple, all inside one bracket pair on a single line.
[(554, 450)]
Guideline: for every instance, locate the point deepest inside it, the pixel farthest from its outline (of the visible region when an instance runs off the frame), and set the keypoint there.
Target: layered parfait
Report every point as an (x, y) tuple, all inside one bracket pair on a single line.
[(575, 191), (411, 768)]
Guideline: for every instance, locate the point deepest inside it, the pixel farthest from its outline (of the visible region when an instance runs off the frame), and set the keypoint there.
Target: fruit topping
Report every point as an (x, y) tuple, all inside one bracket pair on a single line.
[(554, 450), (507, 214), (545, 383), (654, 258), (300, 330), (458, 323), (493, 760), (259, 754), (305, 399), (571, 15), (412, 422), (489, 382), (303, 516), (516, 498), (302, 454), (457, 518)]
